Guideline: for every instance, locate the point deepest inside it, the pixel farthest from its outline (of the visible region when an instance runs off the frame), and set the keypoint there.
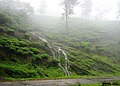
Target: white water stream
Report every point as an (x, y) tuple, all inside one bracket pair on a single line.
[(60, 52)]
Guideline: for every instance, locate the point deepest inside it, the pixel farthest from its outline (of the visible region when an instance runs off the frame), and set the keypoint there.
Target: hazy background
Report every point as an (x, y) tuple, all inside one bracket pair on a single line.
[(107, 9), (90, 38)]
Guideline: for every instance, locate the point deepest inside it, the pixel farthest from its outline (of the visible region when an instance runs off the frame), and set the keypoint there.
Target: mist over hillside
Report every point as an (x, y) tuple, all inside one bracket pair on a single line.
[(34, 44)]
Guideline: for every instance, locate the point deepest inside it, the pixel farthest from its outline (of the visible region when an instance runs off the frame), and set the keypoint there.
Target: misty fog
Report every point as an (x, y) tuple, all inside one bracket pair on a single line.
[(97, 9), (47, 39)]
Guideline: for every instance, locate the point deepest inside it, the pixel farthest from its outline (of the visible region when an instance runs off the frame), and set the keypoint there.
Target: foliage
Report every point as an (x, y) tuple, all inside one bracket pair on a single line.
[(77, 84), (87, 46), (12, 6), (10, 31), (54, 62), (27, 35), (5, 19), (19, 58), (90, 45), (41, 56), (116, 83), (86, 8), (68, 9), (68, 6), (2, 29), (16, 70), (54, 72)]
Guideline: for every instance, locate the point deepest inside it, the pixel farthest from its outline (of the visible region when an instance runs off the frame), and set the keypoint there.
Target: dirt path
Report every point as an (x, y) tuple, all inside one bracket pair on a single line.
[(59, 82)]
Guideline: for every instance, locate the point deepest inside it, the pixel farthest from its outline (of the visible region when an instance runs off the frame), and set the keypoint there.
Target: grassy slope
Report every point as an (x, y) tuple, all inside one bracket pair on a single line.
[(89, 44), (22, 58)]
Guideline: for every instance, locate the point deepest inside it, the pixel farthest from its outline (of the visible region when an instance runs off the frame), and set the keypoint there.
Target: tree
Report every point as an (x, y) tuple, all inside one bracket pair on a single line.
[(15, 6), (87, 8), (118, 12), (102, 14), (26, 8), (68, 6), (43, 6)]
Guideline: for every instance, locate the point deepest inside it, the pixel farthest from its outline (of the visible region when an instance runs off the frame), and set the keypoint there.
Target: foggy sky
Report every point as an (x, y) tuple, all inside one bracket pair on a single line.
[(54, 8)]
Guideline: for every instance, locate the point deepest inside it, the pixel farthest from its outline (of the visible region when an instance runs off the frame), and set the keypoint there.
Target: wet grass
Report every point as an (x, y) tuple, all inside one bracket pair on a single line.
[(96, 84), (55, 78), (113, 83)]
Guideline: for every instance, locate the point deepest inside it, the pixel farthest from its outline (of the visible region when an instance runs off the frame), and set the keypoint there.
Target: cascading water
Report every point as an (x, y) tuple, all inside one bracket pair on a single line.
[(44, 40), (65, 68), (60, 51)]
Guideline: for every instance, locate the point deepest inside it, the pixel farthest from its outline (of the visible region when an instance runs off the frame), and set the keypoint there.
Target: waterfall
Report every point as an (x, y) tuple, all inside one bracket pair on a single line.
[(59, 51), (44, 40), (65, 68)]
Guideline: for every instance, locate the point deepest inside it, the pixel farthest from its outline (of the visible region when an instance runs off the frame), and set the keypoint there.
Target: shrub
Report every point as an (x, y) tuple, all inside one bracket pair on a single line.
[(2, 29), (54, 62), (44, 56), (41, 56), (24, 51), (40, 71), (85, 44), (10, 31), (34, 50), (23, 44), (17, 71), (54, 72), (5, 19), (27, 35), (38, 56)]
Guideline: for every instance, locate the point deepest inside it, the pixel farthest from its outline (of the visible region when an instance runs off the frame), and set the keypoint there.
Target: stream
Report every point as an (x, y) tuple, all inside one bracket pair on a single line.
[(56, 53)]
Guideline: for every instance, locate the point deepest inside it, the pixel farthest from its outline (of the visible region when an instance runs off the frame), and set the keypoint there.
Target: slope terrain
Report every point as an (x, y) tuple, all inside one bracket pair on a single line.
[(92, 47)]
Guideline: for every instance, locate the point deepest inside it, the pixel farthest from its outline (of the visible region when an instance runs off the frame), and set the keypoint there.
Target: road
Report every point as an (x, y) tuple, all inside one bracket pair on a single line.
[(59, 82)]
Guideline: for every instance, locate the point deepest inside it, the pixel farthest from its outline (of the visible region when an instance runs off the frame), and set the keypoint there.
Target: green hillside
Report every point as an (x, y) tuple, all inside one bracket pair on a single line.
[(92, 47), (20, 57)]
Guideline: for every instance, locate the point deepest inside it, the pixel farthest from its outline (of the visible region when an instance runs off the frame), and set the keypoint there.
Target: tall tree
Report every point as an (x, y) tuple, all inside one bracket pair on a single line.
[(27, 8), (68, 6), (118, 11), (87, 8), (14, 6), (43, 7), (101, 14)]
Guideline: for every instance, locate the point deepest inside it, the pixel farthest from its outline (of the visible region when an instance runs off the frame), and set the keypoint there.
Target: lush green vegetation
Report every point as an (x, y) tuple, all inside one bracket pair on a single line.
[(114, 83), (20, 57), (96, 84), (92, 46)]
